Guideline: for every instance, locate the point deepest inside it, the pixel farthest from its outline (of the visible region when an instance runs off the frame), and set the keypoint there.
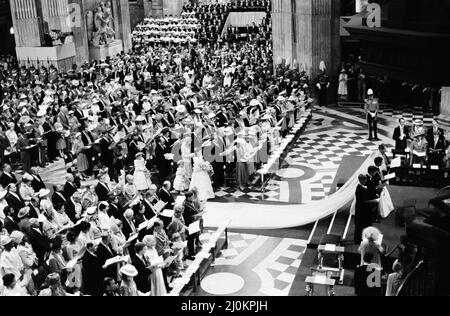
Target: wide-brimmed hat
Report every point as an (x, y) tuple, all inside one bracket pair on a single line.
[(43, 192), (5, 240), (23, 212), (91, 211), (3, 194), (129, 270), (17, 236)]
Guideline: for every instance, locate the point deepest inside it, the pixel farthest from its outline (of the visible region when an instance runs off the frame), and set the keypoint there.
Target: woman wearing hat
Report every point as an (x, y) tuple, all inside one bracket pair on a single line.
[(79, 150), (10, 261), (53, 286), (141, 176), (128, 286)]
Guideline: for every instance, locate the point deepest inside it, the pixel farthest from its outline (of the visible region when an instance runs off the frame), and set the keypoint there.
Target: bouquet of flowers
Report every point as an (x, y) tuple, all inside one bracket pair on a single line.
[(205, 166)]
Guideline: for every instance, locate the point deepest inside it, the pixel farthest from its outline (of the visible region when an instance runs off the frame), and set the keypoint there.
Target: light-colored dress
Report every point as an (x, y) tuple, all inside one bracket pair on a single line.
[(82, 161), (156, 278), (202, 181), (187, 158), (74, 279), (343, 90), (141, 175), (181, 182)]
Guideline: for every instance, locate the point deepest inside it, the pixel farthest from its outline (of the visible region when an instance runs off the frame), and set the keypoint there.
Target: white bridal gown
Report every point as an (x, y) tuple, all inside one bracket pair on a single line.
[(202, 181)]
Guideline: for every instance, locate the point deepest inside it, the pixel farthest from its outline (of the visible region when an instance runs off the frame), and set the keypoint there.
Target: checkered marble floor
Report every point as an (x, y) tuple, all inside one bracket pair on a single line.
[(409, 114), (267, 265)]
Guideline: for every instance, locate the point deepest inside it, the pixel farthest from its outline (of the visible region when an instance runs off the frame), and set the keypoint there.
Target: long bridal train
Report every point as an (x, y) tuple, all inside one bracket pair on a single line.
[(263, 216)]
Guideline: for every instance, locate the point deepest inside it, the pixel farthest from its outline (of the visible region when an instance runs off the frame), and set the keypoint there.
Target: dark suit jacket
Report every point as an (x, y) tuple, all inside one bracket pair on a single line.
[(166, 197), (5, 179), (440, 144), (103, 253), (69, 190), (69, 208), (401, 144), (189, 212), (59, 198), (362, 209), (142, 280), (15, 203), (126, 229), (92, 274), (37, 184), (10, 225), (362, 287), (40, 244), (33, 211), (115, 211), (102, 192)]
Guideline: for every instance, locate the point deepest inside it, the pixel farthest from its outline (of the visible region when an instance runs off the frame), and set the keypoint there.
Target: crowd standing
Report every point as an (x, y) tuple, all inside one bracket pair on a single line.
[(130, 129)]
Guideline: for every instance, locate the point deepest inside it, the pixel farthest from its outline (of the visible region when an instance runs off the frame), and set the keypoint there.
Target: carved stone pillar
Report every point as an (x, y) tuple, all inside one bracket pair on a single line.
[(157, 8), (309, 32), (444, 117)]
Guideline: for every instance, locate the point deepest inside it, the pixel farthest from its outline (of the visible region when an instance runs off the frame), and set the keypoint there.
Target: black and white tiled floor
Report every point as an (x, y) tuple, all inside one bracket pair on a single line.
[(254, 265)]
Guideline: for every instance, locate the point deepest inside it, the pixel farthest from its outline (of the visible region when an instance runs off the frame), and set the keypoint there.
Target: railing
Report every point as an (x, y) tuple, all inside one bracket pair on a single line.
[(193, 274), (414, 282)]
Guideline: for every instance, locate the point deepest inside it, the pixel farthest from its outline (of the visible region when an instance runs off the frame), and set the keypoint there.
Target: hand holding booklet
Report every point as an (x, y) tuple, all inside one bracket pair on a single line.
[(194, 228)]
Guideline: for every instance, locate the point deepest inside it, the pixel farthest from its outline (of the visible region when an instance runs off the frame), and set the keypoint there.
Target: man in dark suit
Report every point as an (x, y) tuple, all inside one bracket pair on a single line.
[(141, 264), (7, 177), (14, 199), (363, 209), (114, 209), (39, 242), (35, 210), (92, 272), (165, 195), (189, 215), (106, 153), (71, 205), (129, 227), (368, 278), (163, 165), (37, 184), (401, 136), (102, 189), (58, 197), (105, 252), (436, 145), (69, 187), (9, 222)]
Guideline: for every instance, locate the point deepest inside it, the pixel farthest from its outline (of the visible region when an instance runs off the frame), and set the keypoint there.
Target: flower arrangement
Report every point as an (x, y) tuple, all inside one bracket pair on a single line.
[(204, 166)]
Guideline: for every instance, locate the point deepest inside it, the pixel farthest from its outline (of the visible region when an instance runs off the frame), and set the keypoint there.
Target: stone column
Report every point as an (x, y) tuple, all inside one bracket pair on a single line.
[(172, 7), (79, 29), (283, 30), (309, 32), (56, 13), (124, 25), (157, 8), (27, 22), (444, 117)]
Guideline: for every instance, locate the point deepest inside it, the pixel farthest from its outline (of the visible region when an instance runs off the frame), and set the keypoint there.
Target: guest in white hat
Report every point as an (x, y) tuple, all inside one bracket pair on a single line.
[(128, 286)]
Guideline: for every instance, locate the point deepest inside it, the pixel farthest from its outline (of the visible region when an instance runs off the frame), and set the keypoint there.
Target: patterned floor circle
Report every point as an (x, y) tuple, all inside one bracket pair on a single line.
[(222, 283), (290, 173)]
